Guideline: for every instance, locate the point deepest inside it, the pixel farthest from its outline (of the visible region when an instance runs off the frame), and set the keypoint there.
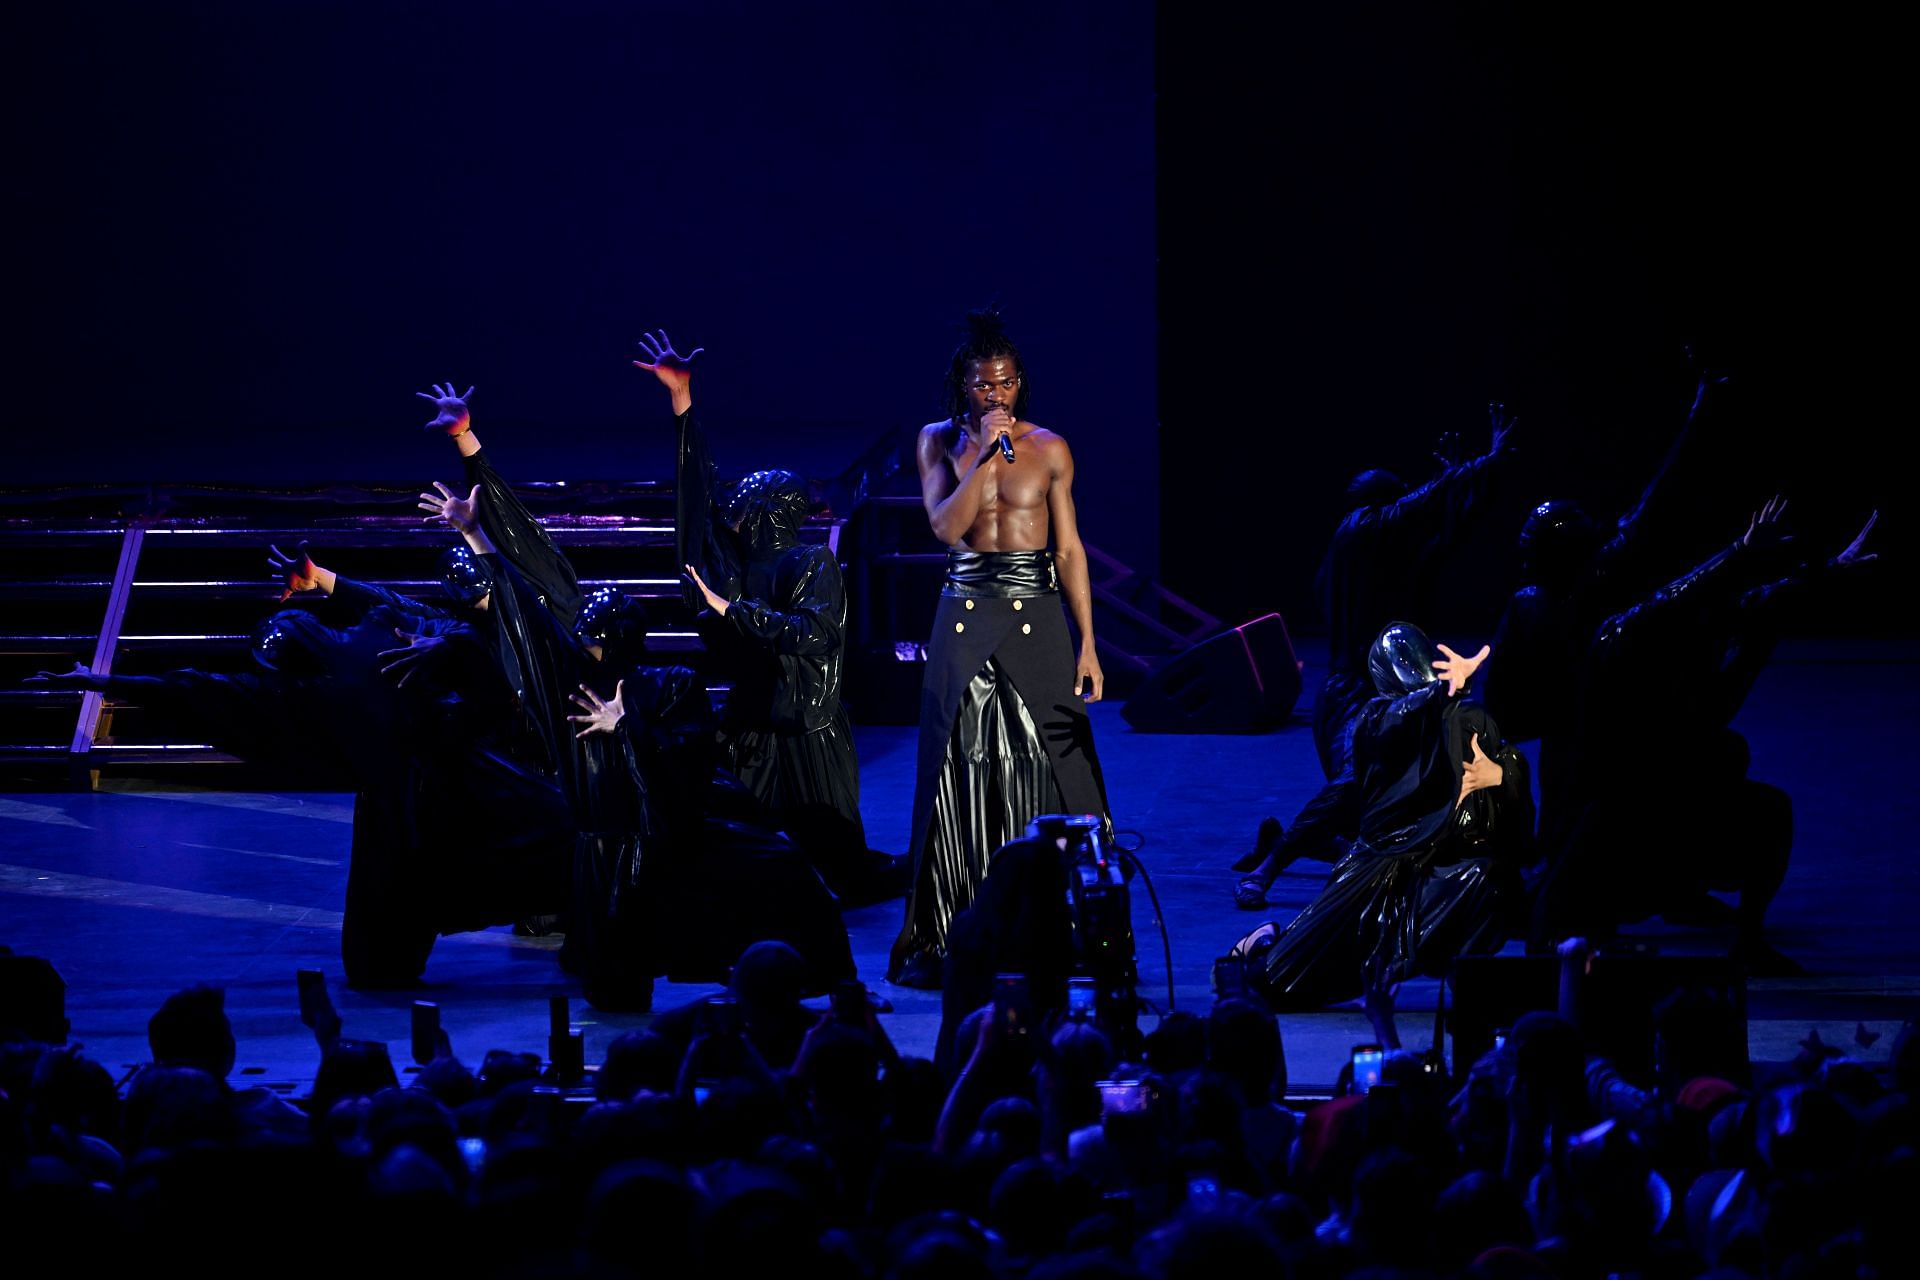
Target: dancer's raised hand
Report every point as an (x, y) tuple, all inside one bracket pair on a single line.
[(1456, 670), (1852, 555), (448, 507), (601, 716), (453, 418), (297, 571), (715, 601), (674, 370)]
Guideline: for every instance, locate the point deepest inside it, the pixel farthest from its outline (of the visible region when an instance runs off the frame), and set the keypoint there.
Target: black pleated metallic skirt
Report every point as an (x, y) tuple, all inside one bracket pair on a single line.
[(1004, 735)]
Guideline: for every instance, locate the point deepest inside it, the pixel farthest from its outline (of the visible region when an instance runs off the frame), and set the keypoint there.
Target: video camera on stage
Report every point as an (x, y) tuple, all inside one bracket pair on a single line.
[(1100, 908)]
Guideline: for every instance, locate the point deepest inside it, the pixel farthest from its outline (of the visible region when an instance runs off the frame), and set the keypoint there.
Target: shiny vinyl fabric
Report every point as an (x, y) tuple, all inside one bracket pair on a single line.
[(810, 785), (1429, 879), (1003, 575), (524, 541), (1401, 660), (449, 832), (782, 644), (789, 614), (995, 779), (749, 884), (1000, 642), (1398, 915)]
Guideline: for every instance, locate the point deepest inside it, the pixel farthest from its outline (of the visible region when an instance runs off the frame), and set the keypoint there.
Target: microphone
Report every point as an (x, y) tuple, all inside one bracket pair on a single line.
[(1006, 446)]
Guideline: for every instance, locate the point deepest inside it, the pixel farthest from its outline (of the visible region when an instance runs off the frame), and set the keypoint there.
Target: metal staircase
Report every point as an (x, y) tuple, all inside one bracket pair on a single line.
[(144, 579)]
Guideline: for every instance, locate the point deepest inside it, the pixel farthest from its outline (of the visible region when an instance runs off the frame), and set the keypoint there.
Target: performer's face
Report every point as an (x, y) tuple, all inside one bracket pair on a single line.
[(991, 384)]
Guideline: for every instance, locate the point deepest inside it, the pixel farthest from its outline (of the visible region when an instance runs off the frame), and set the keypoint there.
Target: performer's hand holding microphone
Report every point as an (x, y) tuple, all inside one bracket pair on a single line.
[(998, 422)]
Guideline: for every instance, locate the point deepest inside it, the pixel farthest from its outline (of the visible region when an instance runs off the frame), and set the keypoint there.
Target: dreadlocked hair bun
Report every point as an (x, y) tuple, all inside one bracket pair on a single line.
[(986, 326), (986, 339)]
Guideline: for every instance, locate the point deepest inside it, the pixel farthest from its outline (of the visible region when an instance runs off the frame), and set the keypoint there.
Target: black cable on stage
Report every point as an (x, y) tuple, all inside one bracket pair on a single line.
[(1131, 854)]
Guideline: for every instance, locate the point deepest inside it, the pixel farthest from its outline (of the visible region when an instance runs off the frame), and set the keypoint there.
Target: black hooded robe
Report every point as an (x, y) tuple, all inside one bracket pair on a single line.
[(1428, 880), (450, 833), (782, 643), (670, 874), (1375, 565)]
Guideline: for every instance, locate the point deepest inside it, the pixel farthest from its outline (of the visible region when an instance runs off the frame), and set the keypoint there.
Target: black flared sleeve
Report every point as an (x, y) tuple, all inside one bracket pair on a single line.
[(524, 541), (700, 535)]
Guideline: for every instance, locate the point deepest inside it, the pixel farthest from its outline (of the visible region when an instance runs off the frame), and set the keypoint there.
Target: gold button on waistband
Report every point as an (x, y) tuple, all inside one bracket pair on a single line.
[(1026, 628), (959, 626), (969, 604), (1017, 605)]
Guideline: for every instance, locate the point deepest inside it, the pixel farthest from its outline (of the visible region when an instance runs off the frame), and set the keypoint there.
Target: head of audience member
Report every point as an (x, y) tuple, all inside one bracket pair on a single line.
[(1016, 1122), (917, 1096), (1077, 1055), (169, 1108), (739, 1115), (840, 1069), (1598, 1202), (1031, 1207), (642, 1210), (1209, 1245), (1480, 1211), (33, 1000), (910, 1182), (1243, 1044), (1803, 1130), (635, 1061), (769, 977), (450, 1080), (74, 1095), (1211, 1113), (191, 1029), (758, 1214), (503, 1068), (806, 1168), (1178, 1044), (415, 1118), (940, 1246), (1390, 1214)]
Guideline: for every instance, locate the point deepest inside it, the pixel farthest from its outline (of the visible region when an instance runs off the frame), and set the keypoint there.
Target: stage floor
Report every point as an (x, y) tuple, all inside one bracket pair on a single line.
[(135, 892)]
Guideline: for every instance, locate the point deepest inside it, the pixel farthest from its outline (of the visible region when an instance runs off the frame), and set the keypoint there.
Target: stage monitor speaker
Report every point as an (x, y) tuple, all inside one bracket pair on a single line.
[(1245, 680), (1491, 993)]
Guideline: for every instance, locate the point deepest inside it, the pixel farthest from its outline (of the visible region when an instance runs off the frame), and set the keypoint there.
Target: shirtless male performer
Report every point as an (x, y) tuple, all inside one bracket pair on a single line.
[(1004, 734)]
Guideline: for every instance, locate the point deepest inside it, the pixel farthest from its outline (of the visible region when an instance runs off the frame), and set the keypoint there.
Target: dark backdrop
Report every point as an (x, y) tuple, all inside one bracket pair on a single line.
[(245, 233), (1377, 218)]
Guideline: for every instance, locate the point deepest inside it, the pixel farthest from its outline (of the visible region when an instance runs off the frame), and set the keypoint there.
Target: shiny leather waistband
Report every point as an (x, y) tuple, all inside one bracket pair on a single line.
[(1000, 574)]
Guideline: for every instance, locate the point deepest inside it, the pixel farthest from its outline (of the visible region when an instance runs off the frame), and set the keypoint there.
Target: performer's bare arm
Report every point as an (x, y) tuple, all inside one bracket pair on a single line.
[(1070, 558), (953, 501)]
